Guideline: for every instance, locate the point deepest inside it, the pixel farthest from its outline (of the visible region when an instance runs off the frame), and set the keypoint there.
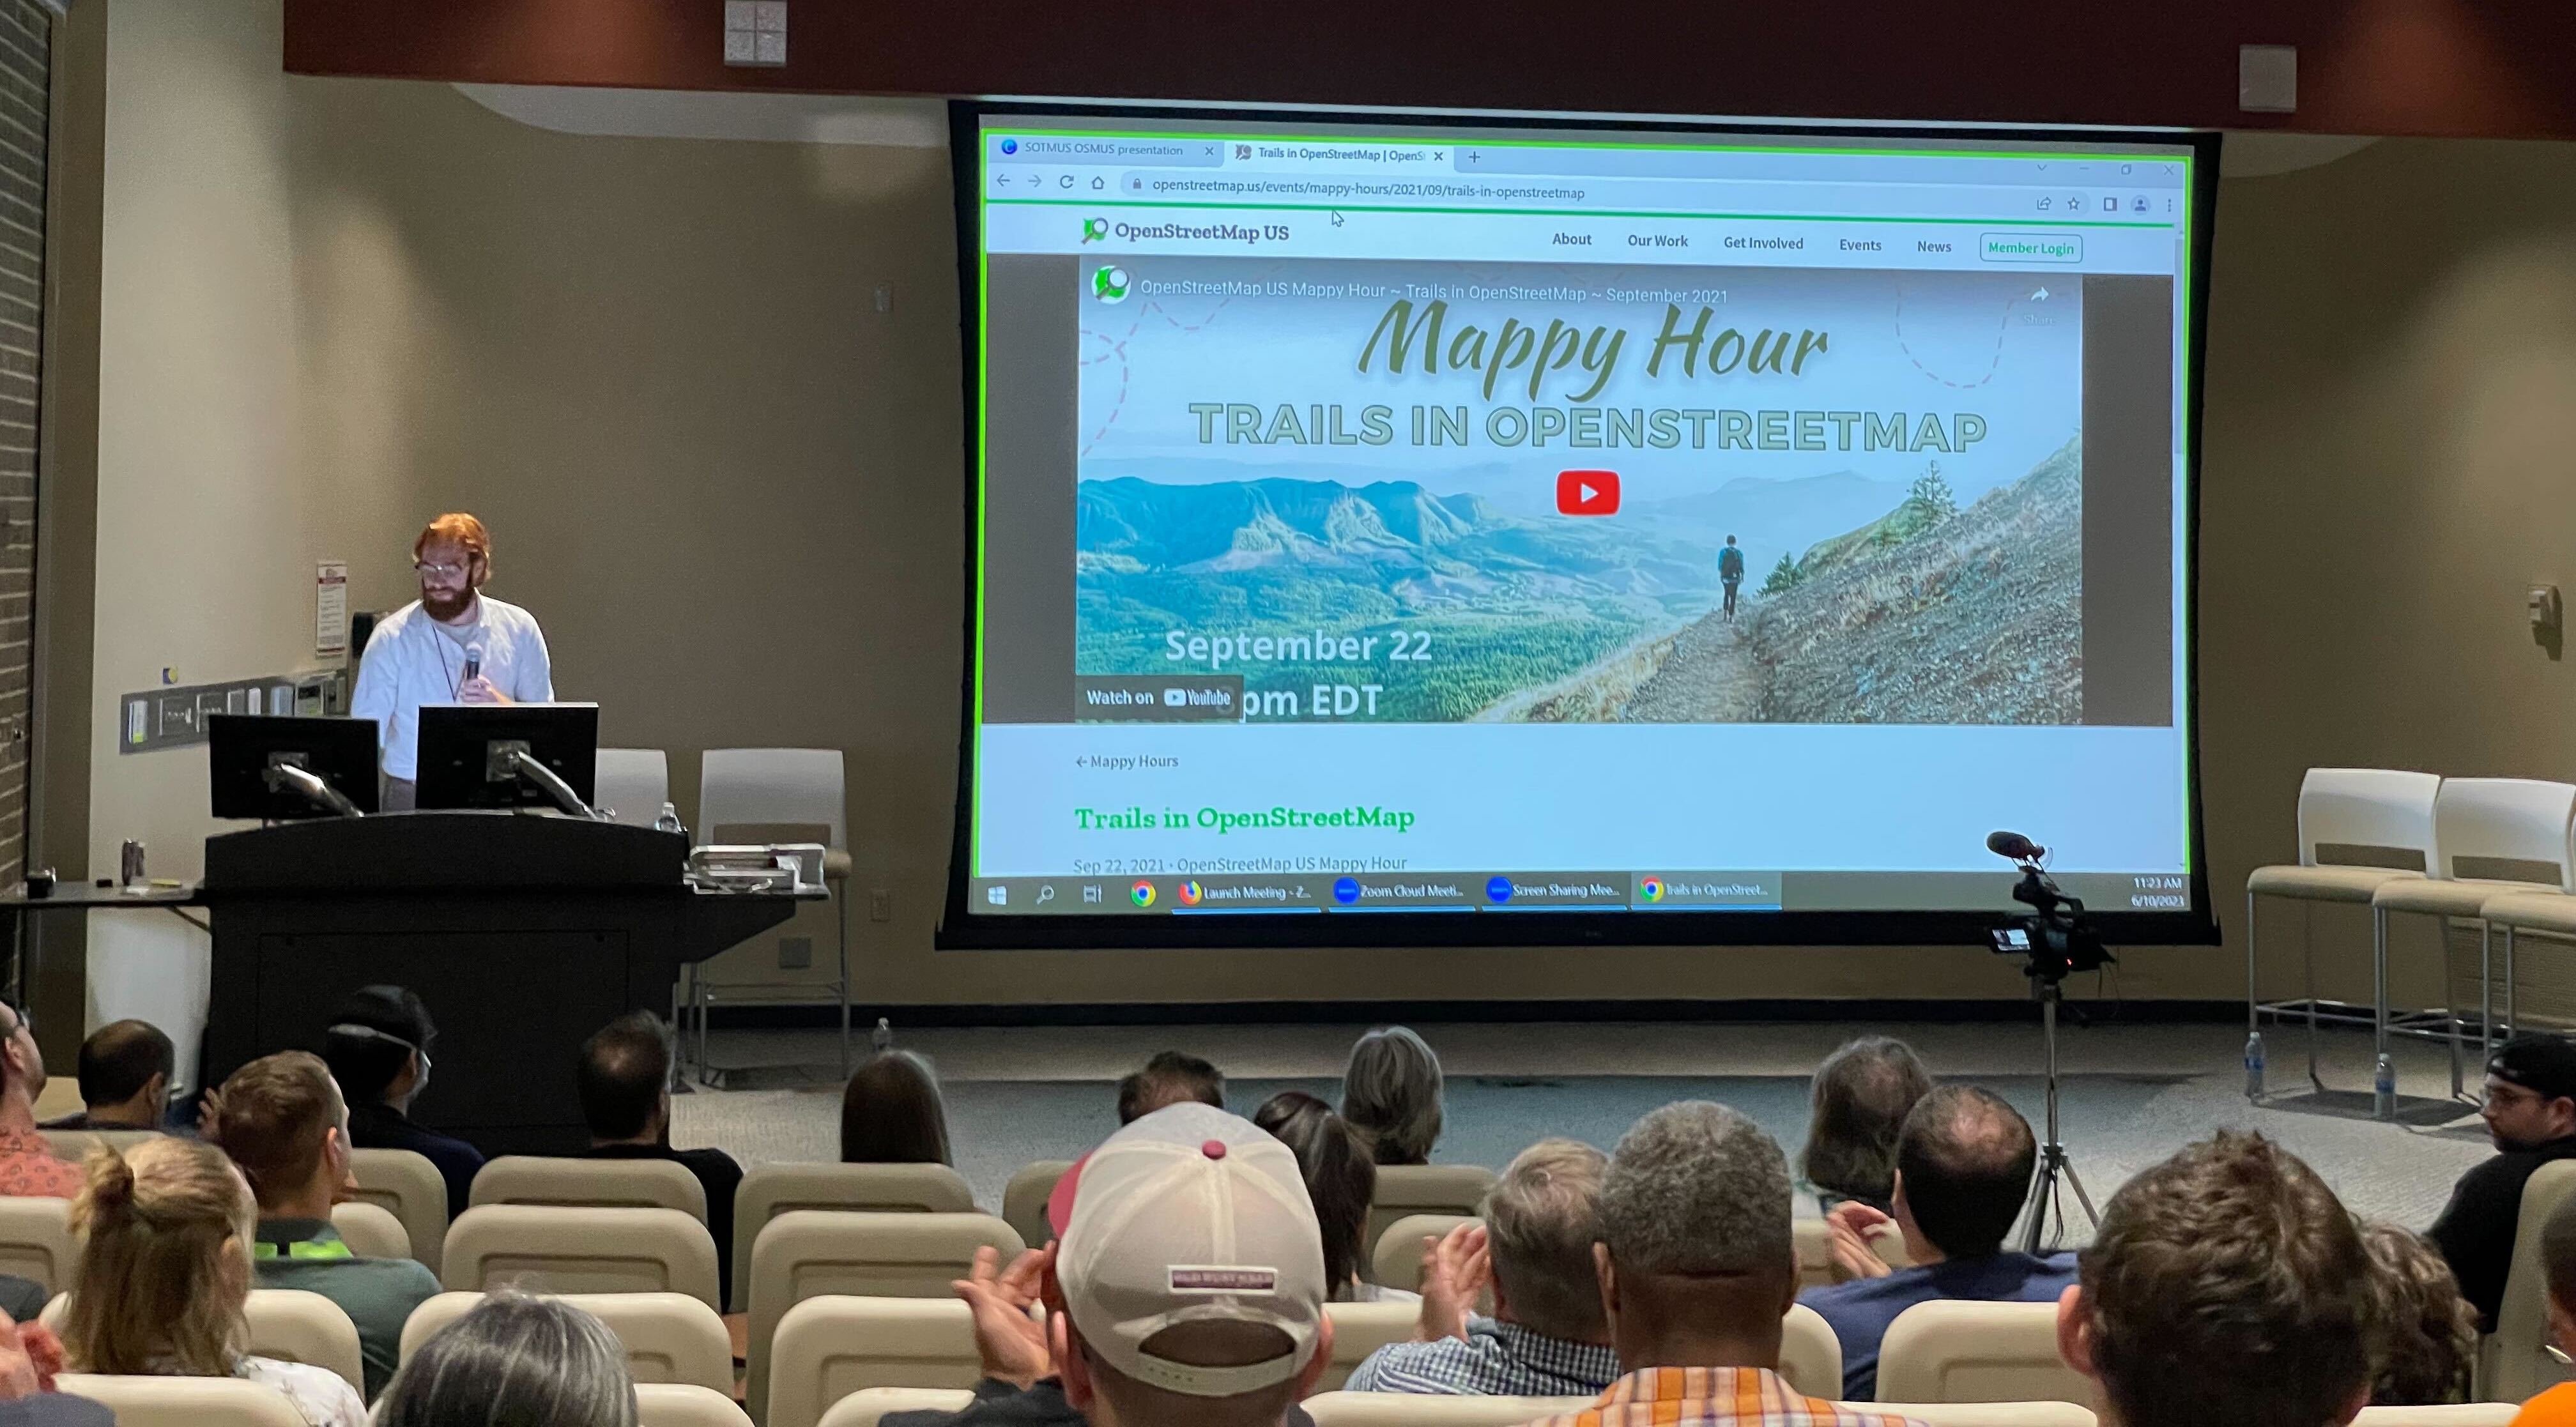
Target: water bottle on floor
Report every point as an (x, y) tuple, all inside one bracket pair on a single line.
[(881, 1039), (2254, 1066), (2383, 1088)]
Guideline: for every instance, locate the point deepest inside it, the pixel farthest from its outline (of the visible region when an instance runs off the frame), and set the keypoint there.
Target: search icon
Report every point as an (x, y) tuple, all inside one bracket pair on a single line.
[(1046, 894)]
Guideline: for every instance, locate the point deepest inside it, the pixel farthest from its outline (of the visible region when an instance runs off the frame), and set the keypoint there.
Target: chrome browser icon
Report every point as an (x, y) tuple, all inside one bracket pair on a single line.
[(1142, 894)]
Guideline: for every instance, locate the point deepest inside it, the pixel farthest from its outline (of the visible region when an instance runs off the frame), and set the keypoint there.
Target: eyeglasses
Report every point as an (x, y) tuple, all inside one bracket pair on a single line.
[(439, 568), (20, 1021)]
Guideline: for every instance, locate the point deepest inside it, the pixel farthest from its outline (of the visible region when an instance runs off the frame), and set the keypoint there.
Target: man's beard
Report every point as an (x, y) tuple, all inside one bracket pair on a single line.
[(445, 605)]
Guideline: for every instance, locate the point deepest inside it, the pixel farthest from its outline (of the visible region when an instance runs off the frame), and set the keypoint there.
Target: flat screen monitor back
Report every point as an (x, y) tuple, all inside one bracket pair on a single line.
[(241, 747), (456, 743)]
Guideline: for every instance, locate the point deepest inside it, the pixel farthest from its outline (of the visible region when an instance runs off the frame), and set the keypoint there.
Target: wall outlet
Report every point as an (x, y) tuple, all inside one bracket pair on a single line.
[(880, 905), (795, 953)]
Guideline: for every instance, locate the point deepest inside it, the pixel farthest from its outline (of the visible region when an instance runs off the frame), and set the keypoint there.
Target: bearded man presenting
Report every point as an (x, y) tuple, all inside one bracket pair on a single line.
[(453, 645)]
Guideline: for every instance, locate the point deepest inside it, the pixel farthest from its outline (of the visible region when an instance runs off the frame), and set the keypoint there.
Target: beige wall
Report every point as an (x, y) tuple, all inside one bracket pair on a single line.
[(731, 487)]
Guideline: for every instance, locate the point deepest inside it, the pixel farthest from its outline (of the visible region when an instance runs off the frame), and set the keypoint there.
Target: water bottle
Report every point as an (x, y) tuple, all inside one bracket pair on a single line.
[(669, 821), (2383, 1088), (2254, 1066), (881, 1039)]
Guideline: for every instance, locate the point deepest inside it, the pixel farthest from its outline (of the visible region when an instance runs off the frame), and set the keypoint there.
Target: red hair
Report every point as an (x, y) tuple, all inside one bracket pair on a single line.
[(456, 527)]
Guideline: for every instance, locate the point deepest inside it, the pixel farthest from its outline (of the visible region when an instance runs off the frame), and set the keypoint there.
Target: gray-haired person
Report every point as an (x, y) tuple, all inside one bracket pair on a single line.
[(1391, 1095), (1697, 1270), (514, 1361), (1547, 1337)]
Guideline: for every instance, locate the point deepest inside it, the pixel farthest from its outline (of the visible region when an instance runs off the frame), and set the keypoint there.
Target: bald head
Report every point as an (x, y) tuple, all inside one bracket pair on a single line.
[(1964, 1161), (1697, 1261)]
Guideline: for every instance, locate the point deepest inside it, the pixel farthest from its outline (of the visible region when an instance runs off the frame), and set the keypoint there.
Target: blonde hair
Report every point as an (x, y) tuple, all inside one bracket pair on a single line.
[(166, 1230)]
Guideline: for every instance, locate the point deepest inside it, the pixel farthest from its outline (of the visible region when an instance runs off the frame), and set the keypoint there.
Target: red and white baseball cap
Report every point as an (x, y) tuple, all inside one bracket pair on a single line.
[(1192, 1214)]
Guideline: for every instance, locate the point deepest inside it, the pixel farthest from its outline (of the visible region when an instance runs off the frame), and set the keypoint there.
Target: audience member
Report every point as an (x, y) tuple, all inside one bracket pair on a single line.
[(2226, 1288), (1963, 1166), (2424, 1335), (28, 1164), (2530, 1112), (892, 1113), (626, 1096), (1858, 1101), (378, 1048), (1170, 1078), (125, 1069), (282, 1120), (2557, 1406), (1697, 1270), (1391, 1094), (1340, 1182), (166, 1231), (30, 1357), (1547, 1337), (514, 1361)]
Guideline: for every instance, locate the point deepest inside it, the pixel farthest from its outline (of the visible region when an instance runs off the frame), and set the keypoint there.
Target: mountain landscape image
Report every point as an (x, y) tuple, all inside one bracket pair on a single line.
[(1864, 600)]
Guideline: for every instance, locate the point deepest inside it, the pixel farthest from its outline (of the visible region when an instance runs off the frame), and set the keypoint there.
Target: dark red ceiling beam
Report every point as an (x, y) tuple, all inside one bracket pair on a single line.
[(2488, 68)]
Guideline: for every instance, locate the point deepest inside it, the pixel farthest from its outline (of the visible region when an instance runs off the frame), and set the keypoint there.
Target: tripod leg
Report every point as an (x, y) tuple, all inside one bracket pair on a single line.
[(2091, 1216), (2035, 1209)]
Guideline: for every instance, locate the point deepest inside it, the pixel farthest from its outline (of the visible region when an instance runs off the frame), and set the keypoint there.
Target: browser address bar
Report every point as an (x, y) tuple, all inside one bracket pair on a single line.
[(1678, 197)]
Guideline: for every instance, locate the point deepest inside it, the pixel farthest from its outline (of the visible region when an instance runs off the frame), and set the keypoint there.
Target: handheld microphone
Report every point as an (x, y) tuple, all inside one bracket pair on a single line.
[(2014, 846), (474, 665)]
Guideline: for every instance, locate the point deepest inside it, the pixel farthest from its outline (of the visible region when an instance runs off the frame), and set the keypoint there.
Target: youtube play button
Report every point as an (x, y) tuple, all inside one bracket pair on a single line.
[(1587, 492)]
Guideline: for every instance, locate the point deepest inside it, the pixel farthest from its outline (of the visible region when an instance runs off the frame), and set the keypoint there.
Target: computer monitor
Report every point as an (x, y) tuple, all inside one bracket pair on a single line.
[(245, 753), (469, 754)]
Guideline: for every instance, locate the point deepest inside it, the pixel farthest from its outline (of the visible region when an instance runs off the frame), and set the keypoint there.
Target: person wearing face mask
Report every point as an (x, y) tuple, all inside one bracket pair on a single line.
[(378, 1048), (453, 645)]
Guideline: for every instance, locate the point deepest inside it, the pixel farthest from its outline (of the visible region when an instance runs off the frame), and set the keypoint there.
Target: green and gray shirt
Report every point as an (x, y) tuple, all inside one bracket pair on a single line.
[(377, 1294)]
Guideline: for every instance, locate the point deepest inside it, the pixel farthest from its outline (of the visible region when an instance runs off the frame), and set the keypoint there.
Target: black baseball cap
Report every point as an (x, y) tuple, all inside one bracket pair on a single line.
[(2545, 1064)]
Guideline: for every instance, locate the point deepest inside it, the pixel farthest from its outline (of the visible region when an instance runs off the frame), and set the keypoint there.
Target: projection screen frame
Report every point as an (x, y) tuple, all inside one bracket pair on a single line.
[(961, 929)]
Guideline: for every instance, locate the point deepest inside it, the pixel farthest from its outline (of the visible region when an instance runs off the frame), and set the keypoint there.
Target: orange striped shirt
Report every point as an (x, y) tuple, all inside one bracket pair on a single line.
[(1714, 1397)]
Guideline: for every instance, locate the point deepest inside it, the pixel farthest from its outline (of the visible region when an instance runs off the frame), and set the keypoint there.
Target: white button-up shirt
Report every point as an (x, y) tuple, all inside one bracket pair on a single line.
[(409, 664)]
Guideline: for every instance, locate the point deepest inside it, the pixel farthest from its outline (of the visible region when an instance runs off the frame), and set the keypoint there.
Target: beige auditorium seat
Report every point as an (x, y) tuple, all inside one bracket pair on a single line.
[(1982, 1414), (549, 1248), (1397, 1260), (806, 1253), (1811, 1357), (1406, 1189), (2514, 1361), (75, 1145), (682, 1404), (1948, 1351), (371, 1230), (184, 1401), (668, 1337), (406, 1184), (776, 1189), (827, 1348), (590, 1183), (304, 1327), (1816, 1251), (2469, 1414), (1024, 1199), (36, 1241), (868, 1406), (1360, 1329), (1395, 1409)]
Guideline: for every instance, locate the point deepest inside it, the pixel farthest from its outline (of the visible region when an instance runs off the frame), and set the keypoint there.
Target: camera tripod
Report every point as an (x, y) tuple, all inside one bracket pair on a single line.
[(2055, 1173)]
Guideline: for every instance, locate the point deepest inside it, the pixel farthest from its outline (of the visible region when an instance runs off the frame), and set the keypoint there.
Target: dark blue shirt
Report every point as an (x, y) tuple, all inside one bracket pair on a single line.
[(382, 1127), (1860, 1310)]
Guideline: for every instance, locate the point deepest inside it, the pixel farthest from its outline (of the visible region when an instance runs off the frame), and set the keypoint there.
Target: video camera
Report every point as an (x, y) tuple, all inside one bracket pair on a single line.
[(2056, 939)]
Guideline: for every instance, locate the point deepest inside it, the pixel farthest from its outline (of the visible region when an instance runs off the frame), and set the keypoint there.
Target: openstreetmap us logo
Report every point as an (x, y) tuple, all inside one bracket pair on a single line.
[(1095, 230), (1109, 283)]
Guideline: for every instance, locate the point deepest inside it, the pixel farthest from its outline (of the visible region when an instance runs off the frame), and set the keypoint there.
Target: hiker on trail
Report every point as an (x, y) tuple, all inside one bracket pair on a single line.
[(1730, 572)]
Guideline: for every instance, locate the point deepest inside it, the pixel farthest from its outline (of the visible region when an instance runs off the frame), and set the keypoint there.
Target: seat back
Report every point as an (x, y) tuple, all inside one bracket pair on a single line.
[(685, 1404), (1981, 1414), (738, 786), (776, 1189), (806, 1253), (1811, 1357), (1955, 1351), (2505, 829), (2518, 1363), (827, 1348), (1024, 1199), (1360, 1329), (587, 1183), (1408, 1189), (1815, 1251), (75, 1145), (668, 1337), (184, 1401), (371, 1230), (868, 1406), (1393, 1409), (36, 1241), (548, 1248), (410, 1186), (1397, 1260), (632, 784), (2458, 1414), (305, 1327), (2377, 816)]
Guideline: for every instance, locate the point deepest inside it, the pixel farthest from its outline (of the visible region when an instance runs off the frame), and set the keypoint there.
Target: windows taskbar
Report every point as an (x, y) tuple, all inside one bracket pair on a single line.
[(1322, 893)]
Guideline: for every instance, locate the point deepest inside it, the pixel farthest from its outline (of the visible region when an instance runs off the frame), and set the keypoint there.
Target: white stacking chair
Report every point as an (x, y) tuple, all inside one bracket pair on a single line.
[(871, 1405), (2359, 830), (1396, 1262), (1396, 1409), (2491, 836), (682, 1404), (829, 1347), (370, 1230), (769, 788), (1024, 1199), (546, 1248), (184, 1401), (2514, 1361), (1954, 1350), (590, 1183), (807, 1253), (1811, 1357), (632, 784), (668, 1337), (406, 1183), (776, 1189), (36, 1240), (1408, 1189)]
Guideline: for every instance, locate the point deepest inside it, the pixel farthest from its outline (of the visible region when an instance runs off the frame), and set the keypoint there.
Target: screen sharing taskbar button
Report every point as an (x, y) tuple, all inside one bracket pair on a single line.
[(1151, 698)]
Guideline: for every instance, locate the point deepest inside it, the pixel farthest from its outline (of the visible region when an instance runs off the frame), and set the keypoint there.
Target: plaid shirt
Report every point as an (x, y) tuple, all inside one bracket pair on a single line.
[(1495, 1359), (1714, 1397)]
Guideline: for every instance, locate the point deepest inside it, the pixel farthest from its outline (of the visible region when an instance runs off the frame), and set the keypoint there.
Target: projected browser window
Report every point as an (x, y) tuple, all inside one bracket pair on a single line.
[(1514, 522)]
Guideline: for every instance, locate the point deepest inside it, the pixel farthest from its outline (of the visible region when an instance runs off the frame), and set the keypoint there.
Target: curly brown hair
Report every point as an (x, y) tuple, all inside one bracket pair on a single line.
[(2425, 1335)]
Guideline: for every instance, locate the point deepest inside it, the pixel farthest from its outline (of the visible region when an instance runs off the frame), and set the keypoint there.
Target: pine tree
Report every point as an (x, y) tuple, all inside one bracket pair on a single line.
[(1783, 575), (1931, 496)]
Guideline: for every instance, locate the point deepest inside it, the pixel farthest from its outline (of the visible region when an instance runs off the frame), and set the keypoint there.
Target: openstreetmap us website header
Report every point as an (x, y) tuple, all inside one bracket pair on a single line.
[(1682, 205)]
